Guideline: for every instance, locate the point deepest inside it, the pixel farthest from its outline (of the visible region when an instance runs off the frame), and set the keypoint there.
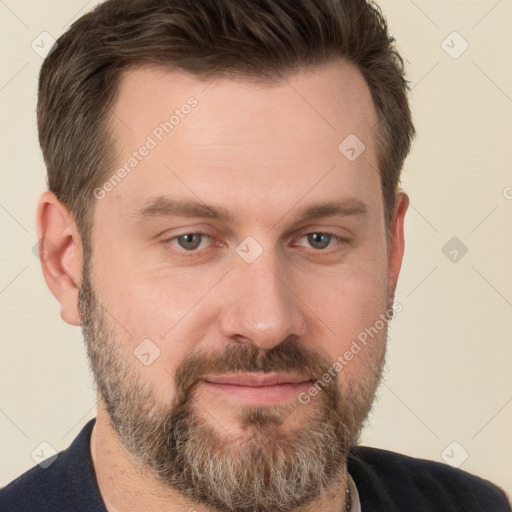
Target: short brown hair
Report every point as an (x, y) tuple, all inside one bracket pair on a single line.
[(251, 39)]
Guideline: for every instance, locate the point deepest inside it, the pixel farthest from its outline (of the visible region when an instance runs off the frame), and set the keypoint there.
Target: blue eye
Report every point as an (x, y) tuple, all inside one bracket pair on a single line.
[(197, 243), (321, 240), (190, 241)]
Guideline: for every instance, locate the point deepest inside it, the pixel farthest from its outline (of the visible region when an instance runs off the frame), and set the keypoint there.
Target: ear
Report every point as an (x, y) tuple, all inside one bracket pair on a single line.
[(397, 242), (60, 253)]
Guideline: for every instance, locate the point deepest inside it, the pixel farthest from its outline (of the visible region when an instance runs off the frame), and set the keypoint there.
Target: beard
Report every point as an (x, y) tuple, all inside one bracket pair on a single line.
[(264, 467)]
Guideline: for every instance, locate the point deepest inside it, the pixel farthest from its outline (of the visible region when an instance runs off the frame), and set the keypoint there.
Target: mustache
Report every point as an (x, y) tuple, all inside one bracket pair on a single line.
[(290, 355)]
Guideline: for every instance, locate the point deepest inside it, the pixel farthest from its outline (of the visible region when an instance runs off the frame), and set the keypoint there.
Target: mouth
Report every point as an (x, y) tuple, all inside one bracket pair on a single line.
[(254, 388)]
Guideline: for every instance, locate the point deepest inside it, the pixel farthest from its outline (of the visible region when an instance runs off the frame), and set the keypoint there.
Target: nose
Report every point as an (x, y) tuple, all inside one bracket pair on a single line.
[(263, 305)]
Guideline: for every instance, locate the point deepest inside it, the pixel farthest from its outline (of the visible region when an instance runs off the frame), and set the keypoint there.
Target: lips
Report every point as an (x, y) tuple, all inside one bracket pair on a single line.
[(257, 380), (257, 389)]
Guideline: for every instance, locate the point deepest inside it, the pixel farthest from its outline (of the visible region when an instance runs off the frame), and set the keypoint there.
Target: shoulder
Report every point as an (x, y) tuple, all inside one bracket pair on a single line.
[(65, 482), (36, 489), (403, 481)]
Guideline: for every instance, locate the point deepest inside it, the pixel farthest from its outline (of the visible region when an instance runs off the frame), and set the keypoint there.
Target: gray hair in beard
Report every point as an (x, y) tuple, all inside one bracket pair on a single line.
[(266, 468)]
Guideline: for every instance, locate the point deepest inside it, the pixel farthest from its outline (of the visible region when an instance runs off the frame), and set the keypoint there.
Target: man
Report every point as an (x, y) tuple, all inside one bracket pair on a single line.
[(225, 223)]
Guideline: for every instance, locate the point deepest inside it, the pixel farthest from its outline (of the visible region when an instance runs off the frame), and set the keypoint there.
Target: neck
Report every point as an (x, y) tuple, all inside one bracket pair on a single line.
[(124, 487)]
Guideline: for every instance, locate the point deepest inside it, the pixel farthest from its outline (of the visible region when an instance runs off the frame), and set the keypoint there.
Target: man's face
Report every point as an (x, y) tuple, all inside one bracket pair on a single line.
[(265, 291)]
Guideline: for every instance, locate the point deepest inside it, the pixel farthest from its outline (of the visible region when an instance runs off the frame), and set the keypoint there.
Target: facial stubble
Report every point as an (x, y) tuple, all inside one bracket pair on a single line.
[(263, 467)]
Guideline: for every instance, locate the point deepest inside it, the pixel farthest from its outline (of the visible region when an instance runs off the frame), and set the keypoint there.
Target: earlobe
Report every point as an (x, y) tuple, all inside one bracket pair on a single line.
[(60, 253), (397, 241)]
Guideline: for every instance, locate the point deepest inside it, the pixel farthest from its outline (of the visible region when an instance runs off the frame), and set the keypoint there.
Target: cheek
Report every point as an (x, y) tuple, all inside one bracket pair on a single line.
[(347, 299), (159, 314), (149, 301), (347, 322)]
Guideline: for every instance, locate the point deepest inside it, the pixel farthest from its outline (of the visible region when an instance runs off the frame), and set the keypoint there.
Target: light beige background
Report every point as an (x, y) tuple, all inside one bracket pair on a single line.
[(449, 366)]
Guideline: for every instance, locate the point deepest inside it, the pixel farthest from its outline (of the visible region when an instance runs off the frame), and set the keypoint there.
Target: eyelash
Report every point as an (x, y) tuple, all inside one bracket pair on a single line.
[(200, 252)]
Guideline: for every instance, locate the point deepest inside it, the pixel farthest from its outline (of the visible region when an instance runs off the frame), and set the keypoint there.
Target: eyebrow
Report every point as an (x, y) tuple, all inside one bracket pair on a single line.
[(161, 207)]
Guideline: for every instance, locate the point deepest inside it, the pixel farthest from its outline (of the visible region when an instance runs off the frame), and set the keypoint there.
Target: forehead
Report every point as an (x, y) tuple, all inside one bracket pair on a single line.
[(244, 143), (328, 99)]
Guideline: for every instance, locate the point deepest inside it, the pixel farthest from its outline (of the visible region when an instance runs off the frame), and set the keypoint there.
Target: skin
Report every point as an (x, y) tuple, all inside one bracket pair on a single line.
[(264, 152)]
